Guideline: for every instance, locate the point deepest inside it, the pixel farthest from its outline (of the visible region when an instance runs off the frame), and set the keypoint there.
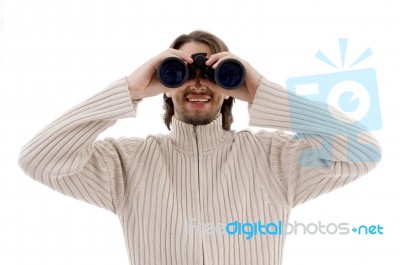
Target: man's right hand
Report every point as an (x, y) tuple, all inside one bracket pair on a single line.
[(143, 82)]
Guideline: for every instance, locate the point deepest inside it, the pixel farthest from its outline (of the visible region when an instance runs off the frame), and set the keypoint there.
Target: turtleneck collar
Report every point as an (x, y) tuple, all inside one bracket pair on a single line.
[(206, 137)]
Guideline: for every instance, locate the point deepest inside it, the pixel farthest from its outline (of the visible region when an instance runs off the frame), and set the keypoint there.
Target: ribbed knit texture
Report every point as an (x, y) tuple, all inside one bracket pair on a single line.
[(159, 185)]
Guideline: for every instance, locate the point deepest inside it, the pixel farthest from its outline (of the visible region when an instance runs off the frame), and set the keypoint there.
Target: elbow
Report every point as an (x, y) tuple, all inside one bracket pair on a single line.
[(370, 149), (376, 155), (23, 163), (26, 161), (371, 158)]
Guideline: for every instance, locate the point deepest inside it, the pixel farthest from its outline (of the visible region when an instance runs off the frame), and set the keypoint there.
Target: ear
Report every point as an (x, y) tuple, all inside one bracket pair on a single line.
[(226, 96), (168, 94)]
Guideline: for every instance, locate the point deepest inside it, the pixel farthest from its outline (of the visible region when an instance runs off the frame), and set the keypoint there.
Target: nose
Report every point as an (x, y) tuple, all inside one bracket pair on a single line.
[(197, 86)]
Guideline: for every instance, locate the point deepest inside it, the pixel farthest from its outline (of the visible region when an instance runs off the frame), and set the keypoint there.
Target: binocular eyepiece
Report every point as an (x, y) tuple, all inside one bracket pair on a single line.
[(174, 72)]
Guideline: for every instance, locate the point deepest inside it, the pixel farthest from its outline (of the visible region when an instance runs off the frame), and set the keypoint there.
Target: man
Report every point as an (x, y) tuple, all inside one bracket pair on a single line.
[(201, 172)]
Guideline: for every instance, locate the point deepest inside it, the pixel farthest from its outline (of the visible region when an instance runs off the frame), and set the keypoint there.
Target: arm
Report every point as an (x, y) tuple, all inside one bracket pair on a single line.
[(66, 157), (326, 153)]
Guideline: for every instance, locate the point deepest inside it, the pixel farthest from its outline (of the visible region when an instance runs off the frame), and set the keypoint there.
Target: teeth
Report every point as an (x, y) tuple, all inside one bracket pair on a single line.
[(197, 100)]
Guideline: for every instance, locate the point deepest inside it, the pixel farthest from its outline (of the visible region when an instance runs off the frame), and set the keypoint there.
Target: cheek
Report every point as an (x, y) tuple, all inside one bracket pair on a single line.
[(177, 98), (221, 99)]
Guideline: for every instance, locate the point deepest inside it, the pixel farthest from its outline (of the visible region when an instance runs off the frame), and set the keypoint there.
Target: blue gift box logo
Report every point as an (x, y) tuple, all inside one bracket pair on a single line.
[(353, 92)]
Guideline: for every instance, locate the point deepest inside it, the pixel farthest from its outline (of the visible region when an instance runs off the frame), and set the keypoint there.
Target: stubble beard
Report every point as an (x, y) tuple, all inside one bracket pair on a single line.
[(196, 119)]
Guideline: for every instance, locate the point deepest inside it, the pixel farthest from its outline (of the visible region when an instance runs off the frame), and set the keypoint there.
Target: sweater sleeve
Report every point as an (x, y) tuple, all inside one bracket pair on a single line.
[(66, 156), (327, 151)]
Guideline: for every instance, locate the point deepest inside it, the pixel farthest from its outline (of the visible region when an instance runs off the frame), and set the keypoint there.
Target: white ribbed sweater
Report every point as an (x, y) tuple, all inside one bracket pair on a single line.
[(201, 174)]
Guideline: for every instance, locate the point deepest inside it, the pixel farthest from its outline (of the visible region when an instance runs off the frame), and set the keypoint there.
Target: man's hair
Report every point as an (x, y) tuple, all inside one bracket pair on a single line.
[(217, 45)]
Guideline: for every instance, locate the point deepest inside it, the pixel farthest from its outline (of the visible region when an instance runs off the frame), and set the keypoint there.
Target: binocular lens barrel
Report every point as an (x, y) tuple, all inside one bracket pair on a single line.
[(230, 74), (174, 72)]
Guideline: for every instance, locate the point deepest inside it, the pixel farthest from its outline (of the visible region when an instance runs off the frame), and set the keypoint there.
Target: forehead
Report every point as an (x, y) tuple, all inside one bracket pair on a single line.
[(196, 47)]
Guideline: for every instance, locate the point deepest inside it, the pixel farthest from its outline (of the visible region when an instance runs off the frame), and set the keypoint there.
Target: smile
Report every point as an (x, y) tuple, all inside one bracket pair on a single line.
[(201, 100)]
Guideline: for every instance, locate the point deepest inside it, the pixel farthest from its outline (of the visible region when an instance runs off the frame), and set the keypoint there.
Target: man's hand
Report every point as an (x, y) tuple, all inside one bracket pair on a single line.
[(143, 82), (247, 91)]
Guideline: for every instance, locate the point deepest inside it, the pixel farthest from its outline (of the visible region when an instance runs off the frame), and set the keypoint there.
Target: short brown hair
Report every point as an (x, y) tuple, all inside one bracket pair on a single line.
[(217, 45)]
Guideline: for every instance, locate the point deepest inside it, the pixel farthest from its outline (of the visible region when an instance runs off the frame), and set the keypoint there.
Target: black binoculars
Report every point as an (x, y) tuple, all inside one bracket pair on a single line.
[(174, 72)]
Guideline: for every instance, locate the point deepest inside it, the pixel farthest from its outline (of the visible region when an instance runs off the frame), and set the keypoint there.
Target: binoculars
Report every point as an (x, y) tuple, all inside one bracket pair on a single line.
[(174, 72)]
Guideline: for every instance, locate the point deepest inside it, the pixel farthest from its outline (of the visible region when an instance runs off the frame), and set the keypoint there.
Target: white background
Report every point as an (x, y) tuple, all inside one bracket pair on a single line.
[(57, 53)]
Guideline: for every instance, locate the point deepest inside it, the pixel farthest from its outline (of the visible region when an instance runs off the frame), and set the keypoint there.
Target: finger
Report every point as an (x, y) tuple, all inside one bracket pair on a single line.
[(184, 56), (216, 57)]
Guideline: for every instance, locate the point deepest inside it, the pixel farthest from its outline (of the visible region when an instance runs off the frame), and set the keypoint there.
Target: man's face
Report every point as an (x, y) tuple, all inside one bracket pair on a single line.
[(196, 104)]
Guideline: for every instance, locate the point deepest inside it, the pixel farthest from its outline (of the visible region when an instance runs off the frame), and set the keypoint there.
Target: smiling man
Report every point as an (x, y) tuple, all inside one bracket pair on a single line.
[(197, 104), (201, 172)]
